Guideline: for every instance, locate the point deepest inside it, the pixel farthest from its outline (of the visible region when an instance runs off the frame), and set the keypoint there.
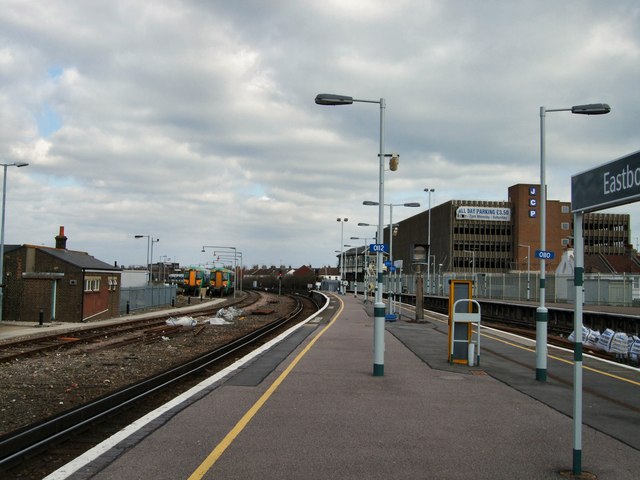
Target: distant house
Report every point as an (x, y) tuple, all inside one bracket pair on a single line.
[(65, 285)]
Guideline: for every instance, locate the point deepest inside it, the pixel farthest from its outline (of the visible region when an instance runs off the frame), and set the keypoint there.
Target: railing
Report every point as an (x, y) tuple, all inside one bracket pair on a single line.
[(599, 289), (138, 298)]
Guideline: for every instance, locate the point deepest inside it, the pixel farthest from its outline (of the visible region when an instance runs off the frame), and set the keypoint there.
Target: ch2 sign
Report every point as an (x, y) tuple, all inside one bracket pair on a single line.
[(378, 247)]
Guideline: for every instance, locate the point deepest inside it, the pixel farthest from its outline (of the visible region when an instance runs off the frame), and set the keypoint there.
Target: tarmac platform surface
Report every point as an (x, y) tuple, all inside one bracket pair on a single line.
[(310, 408)]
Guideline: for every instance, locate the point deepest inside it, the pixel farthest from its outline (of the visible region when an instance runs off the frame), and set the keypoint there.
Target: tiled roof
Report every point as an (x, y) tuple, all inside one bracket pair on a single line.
[(79, 259)]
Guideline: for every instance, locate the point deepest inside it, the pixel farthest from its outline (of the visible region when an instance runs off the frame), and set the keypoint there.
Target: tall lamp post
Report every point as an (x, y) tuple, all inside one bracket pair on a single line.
[(224, 248), (150, 242), (528, 247), (365, 265), (473, 269), (541, 311), (156, 240), (342, 220), (391, 228), (238, 271), (378, 307), (429, 191), (4, 200)]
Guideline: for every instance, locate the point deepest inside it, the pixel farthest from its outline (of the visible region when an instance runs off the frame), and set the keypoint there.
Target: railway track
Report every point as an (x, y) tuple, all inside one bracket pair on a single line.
[(35, 442), (150, 327)]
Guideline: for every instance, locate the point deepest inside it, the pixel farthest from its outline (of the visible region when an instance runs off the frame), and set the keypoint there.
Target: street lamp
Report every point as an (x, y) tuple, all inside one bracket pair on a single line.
[(346, 245), (365, 266), (150, 242), (541, 311), (429, 191), (473, 268), (528, 247), (151, 258), (391, 234), (342, 220), (234, 254), (378, 308), (238, 272), (4, 199)]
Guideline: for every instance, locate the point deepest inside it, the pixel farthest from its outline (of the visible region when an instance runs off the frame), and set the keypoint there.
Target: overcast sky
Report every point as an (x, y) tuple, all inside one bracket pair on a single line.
[(194, 121)]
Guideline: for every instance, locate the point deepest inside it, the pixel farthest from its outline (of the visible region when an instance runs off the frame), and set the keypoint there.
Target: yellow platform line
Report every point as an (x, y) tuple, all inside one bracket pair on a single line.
[(217, 452), (560, 359), (569, 362)]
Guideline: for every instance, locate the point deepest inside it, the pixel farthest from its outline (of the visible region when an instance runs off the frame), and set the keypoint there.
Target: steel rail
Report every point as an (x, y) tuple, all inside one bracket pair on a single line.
[(18, 445)]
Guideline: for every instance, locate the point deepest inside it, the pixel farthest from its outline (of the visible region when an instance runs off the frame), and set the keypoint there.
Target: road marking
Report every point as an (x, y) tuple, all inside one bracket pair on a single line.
[(217, 452)]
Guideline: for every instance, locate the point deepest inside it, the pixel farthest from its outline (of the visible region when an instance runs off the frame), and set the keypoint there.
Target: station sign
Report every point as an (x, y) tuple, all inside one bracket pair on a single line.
[(609, 185), (378, 247), (545, 255)]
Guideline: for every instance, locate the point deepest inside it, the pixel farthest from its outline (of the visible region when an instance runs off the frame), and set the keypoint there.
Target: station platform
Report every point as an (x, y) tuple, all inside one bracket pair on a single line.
[(10, 330), (310, 408)]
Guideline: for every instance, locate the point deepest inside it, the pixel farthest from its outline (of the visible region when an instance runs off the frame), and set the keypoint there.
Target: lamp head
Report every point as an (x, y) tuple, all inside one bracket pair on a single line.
[(591, 109), (331, 99)]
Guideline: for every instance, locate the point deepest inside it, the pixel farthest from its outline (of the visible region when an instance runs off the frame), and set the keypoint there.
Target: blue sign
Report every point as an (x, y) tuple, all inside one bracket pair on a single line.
[(545, 255), (378, 247)]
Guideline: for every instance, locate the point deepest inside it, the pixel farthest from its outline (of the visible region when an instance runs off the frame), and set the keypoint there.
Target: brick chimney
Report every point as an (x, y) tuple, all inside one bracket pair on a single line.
[(61, 240)]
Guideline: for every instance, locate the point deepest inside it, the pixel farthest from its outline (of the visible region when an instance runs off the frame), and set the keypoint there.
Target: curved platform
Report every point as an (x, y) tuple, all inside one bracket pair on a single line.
[(309, 407)]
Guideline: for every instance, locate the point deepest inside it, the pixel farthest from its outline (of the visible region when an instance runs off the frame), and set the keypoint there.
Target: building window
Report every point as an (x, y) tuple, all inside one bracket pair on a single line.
[(113, 283), (92, 284), (564, 208), (564, 225), (565, 242)]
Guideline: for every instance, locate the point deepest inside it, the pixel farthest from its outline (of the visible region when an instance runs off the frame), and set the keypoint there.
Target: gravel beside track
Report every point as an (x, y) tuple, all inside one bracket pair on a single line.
[(35, 388)]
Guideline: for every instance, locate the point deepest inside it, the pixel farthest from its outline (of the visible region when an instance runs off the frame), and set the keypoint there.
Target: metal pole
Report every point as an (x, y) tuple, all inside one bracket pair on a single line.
[(577, 349), (541, 311), (391, 299), (378, 308), (2, 277), (429, 248), (355, 283), (528, 247), (148, 263), (342, 270)]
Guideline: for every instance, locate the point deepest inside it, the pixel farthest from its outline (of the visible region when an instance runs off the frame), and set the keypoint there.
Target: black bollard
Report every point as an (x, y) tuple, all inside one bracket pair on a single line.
[(188, 300), (41, 317), (128, 307), (173, 302)]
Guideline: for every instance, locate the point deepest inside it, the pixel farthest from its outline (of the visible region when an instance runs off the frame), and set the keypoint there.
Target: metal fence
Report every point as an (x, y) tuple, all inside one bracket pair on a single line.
[(599, 289), (138, 298)]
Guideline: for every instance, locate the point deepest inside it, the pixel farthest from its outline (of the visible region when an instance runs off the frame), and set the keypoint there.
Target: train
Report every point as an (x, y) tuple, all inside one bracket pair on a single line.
[(221, 282), (211, 282)]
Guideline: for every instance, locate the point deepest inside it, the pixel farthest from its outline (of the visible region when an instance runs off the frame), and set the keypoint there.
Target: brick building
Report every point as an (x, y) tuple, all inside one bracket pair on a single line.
[(66, 285), (499, 236)]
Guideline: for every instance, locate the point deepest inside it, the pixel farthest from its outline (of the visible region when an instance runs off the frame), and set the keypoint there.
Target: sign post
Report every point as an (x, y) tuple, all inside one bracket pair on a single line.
[(609, 185)]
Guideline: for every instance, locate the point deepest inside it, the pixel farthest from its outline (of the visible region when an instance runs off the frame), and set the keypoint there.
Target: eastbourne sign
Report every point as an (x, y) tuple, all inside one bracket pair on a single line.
[(609, 185), (483, 213)]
